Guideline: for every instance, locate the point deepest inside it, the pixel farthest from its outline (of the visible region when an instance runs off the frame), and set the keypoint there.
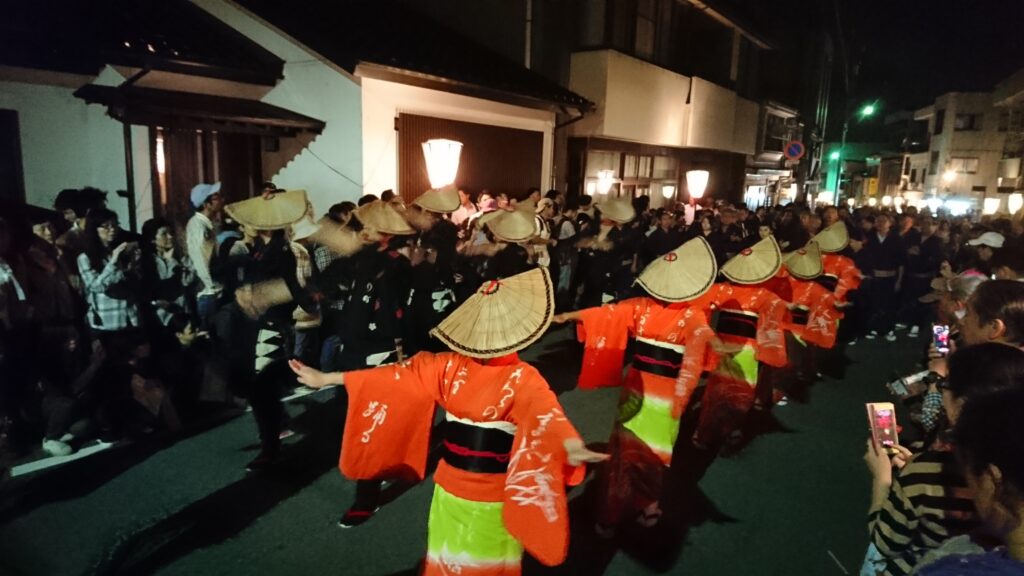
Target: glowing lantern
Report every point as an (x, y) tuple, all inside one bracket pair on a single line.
[(442, 157), (697, 182)]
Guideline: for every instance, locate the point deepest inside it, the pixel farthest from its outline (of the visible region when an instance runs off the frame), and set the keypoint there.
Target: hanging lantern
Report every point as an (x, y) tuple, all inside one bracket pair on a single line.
[(1015, 202), (442, 157), (605, 179), (668, 191), (697, 182), (991, 206)]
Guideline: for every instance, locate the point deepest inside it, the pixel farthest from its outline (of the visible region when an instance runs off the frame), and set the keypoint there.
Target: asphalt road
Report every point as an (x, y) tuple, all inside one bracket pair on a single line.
[(792, 502)]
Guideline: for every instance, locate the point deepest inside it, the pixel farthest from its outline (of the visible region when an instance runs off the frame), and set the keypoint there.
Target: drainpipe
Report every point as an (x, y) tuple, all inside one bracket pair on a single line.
[(529, 33)]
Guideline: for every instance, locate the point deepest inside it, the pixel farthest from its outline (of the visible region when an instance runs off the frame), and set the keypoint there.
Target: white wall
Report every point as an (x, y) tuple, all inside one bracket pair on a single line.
[(383, 101), (330, 169), (66, 143), (641, 102)]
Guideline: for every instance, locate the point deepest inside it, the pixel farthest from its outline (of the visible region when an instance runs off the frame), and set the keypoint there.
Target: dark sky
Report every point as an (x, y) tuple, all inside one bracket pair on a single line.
[(914, 50)]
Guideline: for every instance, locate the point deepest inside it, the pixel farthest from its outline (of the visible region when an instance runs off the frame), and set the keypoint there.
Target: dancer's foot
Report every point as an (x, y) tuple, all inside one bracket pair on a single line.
[(265, 459), (354, 517), (649, 516)]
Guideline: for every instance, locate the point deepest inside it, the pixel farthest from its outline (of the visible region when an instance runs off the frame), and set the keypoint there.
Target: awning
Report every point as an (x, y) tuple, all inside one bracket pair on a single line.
[(188, 110)]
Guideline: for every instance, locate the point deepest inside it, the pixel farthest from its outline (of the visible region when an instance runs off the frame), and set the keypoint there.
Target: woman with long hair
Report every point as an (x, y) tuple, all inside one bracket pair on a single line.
[(109, 268)]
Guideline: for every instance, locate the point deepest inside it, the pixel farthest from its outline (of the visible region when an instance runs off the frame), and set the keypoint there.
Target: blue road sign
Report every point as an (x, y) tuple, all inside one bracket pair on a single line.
[(795, 150)]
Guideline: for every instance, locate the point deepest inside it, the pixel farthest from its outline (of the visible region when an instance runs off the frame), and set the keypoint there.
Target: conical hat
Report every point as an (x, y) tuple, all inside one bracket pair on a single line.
[(683, 274), (755, 264), (440, 200), (504, 316), (834, 238), (617, 210), (512, 225), (805, 263), (304, 228), (271, 211), (382, 217)]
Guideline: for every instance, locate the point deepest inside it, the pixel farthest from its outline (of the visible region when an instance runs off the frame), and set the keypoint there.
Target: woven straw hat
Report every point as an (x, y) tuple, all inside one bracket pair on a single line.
[(271, 211), (504, 316), (516, 225), (617, 210), (755, 264), (835, 238), (805, 263), (382, 217), (683, 274), (440, 200)]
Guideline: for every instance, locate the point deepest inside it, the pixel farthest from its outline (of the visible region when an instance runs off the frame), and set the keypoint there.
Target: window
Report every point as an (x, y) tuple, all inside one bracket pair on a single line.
[(592, 23), (1004, 120), (933, 164), (964, 165), (940, 119), (967, 122), (913, 175), (645, 28), (979, 188), (12, 185)]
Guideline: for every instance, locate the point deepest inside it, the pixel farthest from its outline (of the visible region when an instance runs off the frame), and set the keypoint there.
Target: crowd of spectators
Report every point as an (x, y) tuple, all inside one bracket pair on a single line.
[(106, 334)]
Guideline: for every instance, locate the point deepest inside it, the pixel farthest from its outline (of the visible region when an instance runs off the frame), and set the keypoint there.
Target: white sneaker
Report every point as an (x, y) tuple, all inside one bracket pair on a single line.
[(900, 326), (56, 448), (890, 336), (914, 332), (852, 342), (871, 335)]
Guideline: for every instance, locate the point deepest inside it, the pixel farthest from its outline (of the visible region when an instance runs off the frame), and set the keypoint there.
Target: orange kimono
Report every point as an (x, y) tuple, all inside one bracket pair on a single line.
[(814, 319), (840, 276), (670, 354), (500, 486), (752, 318)]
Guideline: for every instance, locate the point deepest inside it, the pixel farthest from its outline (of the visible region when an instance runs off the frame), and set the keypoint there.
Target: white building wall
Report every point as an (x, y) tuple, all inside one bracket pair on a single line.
[(66, 143), (383, 101), (986, 144), (641, 102), (330, 168)]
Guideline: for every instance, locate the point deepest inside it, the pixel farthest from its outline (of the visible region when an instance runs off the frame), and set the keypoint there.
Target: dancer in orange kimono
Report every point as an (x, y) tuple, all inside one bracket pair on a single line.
[(839, 273), (810, 324), (748, 318), (671, 339), (508, 448)]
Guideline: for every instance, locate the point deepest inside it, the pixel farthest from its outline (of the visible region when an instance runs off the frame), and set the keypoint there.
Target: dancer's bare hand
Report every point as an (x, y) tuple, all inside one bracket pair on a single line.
[(309, 376), (576, 453)]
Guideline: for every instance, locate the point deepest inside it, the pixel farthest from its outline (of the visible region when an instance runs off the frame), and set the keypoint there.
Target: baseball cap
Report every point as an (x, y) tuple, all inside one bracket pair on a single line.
[(990, 239), (202, 192)]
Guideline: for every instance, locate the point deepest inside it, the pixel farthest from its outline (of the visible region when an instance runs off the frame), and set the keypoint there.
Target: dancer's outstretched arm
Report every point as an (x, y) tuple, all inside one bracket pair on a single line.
[(314, 378)]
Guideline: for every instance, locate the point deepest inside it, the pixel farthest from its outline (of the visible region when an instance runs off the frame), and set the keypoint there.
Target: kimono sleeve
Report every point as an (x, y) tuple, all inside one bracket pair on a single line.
[(390, 410), (535, 509), (771, 339), (849, 278), (604, 332), (822, 322)]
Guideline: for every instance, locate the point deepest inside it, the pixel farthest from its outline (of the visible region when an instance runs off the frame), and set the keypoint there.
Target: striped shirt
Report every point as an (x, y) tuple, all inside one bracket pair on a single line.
[(928, 503)]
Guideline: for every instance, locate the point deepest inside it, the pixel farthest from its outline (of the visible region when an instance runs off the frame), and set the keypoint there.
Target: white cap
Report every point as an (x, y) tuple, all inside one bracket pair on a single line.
[(990, 239), (202, 192)]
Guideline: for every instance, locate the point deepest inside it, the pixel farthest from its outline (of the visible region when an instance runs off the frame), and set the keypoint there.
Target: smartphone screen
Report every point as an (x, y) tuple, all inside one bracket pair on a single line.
[(940, 336), (882, 418)]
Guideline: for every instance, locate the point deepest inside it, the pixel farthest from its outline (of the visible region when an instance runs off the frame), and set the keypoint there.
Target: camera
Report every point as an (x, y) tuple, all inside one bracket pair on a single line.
[(913, 384)]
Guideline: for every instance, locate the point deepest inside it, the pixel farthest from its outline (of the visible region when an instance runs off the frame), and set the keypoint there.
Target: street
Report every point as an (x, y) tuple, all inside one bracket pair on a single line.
[(792, 502)]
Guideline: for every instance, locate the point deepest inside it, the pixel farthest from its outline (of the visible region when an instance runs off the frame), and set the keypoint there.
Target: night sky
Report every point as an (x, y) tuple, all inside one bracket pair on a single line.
[(914, 50)]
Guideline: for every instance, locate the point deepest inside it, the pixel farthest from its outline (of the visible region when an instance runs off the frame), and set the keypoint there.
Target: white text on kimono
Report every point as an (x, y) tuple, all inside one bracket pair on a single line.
[(528, 471), (492, 412), (377, 412)]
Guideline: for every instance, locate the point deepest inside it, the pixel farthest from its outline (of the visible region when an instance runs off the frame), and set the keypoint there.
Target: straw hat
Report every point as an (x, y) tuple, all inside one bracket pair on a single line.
[(516, 225), (835, 238), (440, 200), (271, 211), (504, 316), (382, 217), (683, 274), (805, 263), (755, 264), (304, 228), (255, 299), (617, 210)]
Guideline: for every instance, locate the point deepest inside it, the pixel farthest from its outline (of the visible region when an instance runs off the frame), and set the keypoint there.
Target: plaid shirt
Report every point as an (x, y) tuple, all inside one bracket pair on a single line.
[(106, 313)]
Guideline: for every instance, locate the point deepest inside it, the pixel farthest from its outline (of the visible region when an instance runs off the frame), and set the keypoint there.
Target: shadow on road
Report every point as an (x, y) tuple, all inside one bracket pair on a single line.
[(226, 512)]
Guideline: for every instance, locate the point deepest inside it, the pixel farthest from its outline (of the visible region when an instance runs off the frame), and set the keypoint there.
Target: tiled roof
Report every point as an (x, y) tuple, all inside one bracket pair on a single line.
[(173, 35), (385, 33)]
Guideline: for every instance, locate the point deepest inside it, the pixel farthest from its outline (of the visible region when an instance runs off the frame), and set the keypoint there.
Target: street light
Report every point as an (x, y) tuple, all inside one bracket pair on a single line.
[(697, 182), (865, 112), (442, 158)]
